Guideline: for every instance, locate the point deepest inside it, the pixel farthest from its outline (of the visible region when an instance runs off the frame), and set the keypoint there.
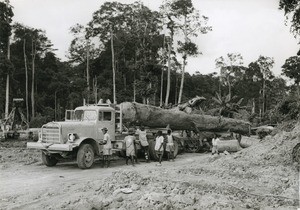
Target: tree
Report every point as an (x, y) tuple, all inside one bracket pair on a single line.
[(291, 69), (229, 66), (292, 8), (265, 64), (227, 106), (82, 50), (136, 41), (189, 22), (168, 21), (6, 15)]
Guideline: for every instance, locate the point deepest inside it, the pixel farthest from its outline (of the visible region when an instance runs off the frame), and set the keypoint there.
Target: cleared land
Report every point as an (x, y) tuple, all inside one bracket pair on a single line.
[(261, 176)]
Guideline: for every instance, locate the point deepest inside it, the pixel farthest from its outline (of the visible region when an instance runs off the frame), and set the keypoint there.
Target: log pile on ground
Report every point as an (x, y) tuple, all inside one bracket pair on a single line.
[(156, 117)]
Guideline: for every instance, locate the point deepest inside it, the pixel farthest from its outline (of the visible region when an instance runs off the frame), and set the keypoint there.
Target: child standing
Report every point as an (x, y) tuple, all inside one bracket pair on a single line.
[(170, 145), (159, 146), (129, 142), (215, 142), (106, 147)]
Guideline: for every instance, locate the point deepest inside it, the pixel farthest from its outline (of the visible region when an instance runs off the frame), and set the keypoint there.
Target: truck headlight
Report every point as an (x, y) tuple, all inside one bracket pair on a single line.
[(71, 137)]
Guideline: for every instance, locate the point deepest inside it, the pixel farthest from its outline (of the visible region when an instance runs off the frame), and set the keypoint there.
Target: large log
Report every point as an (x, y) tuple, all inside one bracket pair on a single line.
[(156, 117)]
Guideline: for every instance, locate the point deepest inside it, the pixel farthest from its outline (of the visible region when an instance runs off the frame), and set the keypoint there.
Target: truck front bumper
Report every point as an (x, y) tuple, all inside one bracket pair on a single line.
[(50, 146)]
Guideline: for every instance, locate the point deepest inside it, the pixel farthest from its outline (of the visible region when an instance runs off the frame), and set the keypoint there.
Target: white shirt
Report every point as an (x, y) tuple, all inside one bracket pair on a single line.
[(215, 141), (158, 142), (142, 137), (106, 138)]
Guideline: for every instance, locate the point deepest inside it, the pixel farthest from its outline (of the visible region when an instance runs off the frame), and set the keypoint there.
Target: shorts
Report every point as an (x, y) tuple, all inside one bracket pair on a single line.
[(159, 152), (107, 151), (170, 147)]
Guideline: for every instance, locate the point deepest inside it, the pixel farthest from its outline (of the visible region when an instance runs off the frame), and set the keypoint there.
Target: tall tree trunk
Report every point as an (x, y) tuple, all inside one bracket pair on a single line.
[(33, 50), (229, 86), (7, 76), (253, 106), (182, 81), (169, 73), (176, 88), (113, 64), (88, 71), (161, 87), (263, 97), (7, 96), (184, 62), (26, 77), (95, 90), (134, 89)]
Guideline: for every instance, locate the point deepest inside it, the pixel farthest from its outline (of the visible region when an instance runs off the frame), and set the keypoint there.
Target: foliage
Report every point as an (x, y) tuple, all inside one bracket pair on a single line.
[(226, 104), (291, 68), (38, 121), (6, 15), (292, 8)]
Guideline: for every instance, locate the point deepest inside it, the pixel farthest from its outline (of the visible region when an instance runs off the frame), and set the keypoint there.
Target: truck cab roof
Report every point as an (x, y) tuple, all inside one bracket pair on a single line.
[(96, 107)]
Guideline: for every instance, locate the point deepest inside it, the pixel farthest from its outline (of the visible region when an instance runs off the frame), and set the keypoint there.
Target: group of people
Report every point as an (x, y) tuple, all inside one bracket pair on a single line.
[(130, 145)]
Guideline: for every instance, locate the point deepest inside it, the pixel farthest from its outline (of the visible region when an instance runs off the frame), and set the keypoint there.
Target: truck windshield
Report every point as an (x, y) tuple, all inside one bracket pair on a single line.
[(85, 115)]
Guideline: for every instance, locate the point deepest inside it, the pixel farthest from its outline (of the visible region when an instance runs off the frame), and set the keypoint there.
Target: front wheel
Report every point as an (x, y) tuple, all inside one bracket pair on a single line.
[(85, 156), (49, 160)]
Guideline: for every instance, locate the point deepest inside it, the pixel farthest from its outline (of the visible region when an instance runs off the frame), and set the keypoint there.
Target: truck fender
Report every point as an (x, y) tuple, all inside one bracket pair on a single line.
[(85, 140)]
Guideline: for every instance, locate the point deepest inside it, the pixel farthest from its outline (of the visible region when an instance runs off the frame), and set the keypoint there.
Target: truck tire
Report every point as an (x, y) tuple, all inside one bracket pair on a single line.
[(49, 160), (152, 152), (85, 156)]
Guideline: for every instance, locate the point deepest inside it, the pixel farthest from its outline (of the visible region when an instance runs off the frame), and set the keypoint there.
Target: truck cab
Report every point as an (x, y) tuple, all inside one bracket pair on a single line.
[(80, 135)]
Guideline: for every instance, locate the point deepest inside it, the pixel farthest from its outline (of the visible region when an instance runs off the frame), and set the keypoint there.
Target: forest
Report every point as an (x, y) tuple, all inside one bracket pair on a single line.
[(128, 52)]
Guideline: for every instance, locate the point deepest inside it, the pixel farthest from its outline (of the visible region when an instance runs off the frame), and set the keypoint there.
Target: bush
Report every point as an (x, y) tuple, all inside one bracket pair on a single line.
[(38, 121)]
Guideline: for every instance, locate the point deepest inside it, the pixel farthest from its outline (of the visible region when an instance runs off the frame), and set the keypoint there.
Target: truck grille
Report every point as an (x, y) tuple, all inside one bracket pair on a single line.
[(51, 134)]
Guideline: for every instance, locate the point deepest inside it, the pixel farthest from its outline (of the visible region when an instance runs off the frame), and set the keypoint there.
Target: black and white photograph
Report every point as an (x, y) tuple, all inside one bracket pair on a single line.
[(162, 104)]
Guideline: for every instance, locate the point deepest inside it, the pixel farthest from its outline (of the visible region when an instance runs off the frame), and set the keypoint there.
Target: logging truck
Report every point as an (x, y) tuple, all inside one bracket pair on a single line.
[(80, 137)]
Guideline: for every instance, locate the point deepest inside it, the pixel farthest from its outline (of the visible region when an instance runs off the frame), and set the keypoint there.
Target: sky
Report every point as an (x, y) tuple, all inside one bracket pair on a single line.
[(249, 27)]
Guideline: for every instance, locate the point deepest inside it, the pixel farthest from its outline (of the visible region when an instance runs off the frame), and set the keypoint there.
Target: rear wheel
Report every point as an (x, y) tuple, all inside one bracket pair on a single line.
[(85, 156), (152, 152), (49, 160)]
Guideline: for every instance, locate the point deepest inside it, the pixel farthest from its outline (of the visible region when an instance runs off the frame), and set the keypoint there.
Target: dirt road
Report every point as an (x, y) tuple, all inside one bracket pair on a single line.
[(249, 179)]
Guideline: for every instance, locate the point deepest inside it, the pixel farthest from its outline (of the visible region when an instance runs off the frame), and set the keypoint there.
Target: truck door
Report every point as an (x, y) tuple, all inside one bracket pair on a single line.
[(107, 119)]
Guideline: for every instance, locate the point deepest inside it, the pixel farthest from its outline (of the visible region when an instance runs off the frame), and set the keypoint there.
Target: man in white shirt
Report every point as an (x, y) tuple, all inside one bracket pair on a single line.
[(106, 147), (143, 141), (159, 146)]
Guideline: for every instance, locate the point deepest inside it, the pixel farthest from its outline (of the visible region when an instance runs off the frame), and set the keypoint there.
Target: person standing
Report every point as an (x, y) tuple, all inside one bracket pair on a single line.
[(144, 141), (170, 145), (215, 142), (129, 143), (106, 147), (159, 146)]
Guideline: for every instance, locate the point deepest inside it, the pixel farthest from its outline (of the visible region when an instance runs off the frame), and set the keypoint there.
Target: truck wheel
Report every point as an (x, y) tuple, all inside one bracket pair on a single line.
[(153, 154), (49, 160), (176, 148), (85, 156)]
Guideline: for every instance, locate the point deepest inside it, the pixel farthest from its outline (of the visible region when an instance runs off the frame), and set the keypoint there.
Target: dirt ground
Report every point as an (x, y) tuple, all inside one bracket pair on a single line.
[(261, 176)]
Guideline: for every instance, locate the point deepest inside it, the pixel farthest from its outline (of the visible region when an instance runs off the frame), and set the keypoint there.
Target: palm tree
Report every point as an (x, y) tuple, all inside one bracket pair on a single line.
[(227, 106)]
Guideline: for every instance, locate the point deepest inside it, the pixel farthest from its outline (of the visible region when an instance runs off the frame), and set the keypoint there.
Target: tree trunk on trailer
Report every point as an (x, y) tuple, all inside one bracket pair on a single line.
[(155, 117)]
